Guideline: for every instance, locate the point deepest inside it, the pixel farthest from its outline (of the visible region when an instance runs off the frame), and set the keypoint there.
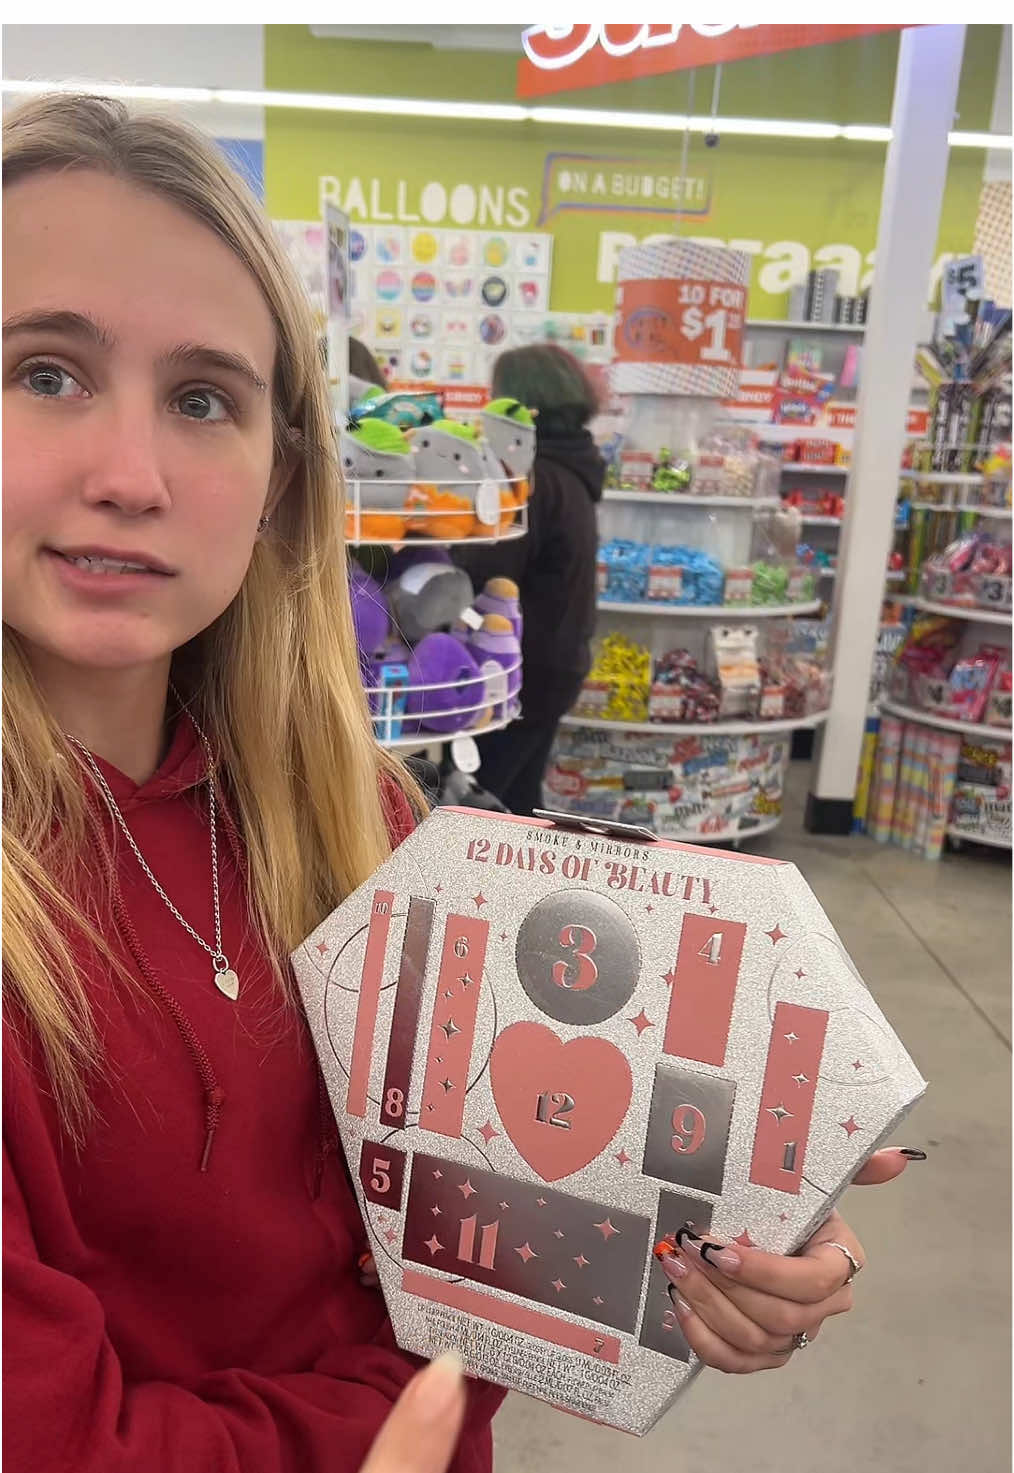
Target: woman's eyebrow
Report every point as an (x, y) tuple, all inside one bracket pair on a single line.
[(71, 324), (201, 353)]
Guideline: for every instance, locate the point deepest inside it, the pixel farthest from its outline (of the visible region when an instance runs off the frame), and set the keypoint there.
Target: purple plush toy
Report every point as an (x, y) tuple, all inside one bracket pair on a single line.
[(370, 617), (497, 644), (440, 659)]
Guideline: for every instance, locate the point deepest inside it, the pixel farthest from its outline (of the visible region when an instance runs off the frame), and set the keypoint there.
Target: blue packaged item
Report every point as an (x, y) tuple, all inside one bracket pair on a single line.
[(626, 566)]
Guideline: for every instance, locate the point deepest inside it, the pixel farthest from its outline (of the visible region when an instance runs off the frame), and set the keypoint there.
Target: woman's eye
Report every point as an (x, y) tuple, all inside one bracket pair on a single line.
[(204, 404), (50, 381)]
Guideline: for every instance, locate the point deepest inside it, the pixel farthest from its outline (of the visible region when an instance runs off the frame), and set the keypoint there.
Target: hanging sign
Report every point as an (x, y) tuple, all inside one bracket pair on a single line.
[(680, 310), (564, 58)]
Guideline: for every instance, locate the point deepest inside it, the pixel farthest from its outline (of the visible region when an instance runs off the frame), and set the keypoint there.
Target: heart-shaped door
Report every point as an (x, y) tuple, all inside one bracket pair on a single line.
[(560, 1103)]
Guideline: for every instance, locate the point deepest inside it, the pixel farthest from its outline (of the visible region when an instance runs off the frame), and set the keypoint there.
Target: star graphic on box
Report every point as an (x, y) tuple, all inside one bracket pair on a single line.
[(541, 1244)]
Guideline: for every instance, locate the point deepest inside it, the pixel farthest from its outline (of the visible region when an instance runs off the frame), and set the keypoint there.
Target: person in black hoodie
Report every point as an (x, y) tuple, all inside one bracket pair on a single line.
[(554, 566)]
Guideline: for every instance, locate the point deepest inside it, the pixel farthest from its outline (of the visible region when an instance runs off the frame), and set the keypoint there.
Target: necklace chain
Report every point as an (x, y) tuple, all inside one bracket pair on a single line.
[(219, 960)]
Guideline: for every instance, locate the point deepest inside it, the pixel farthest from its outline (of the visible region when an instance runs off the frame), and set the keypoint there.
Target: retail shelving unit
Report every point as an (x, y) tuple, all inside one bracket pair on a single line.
[(607, 767)]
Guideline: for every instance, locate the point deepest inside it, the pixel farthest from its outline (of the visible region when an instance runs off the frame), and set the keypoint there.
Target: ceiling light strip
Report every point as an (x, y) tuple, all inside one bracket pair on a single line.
[(499, 112)]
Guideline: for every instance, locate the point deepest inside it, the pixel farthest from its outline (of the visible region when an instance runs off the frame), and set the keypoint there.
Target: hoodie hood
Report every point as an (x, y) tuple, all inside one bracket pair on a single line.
[(578, 453)]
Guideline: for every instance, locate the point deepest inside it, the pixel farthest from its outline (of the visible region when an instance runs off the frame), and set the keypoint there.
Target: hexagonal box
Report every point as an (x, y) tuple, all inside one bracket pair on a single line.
[(546, 1048)]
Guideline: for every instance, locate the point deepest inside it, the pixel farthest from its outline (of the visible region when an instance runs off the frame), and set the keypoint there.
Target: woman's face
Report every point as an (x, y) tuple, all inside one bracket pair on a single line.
[(138, 357)]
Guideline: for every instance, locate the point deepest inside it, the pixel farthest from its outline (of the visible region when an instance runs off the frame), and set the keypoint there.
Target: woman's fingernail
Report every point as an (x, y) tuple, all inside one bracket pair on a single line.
[(912, 1154), (673, 1267), (438, 1386), (365, 1260), (724, 1259), (686, 1234)]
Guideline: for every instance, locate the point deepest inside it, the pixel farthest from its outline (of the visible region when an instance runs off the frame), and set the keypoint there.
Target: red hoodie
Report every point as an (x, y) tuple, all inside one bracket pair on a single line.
[(181, 1295)]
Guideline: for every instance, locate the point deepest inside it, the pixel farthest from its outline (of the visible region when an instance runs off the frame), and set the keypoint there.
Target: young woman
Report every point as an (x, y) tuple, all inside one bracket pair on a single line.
[(554, 566), (190, 786)]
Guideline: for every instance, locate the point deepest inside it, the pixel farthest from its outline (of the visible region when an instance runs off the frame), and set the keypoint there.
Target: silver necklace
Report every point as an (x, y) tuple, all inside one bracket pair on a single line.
[(225, 978)]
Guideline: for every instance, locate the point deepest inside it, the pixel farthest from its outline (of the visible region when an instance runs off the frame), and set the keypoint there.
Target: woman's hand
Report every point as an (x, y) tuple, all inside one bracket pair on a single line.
[(422, 1428), (740, 1308)]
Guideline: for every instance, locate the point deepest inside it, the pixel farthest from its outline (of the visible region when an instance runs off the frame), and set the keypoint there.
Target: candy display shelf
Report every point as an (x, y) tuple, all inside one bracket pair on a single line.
[(800, 468), (963, 836), (956, 611), (711, 611), (673, 498), (1003, 513), (947, 723), (700, 728), (943, 478), (776, 324)]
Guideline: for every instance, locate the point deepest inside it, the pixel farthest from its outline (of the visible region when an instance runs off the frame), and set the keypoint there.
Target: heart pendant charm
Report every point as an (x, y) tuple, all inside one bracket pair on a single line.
[(228, 983)]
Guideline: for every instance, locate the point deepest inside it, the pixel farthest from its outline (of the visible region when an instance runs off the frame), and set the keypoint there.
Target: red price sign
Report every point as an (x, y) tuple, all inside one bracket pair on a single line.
[(687, 321)]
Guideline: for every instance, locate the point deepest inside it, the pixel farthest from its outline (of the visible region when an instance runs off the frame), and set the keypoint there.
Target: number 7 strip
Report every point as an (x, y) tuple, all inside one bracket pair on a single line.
[(452, 1030), (703, 984), (415, 951), (786, 1108), (369, 997)]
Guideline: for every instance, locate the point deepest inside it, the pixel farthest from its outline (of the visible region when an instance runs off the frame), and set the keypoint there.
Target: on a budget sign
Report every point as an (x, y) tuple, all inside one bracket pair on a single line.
[(565, 58)]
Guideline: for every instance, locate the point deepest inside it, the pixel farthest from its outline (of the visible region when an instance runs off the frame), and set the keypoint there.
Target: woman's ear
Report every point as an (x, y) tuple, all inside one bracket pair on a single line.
[(282, 473)]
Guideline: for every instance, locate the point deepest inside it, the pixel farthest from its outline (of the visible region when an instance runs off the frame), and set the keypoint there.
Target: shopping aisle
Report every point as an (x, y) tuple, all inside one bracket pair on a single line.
[(917, 1380)]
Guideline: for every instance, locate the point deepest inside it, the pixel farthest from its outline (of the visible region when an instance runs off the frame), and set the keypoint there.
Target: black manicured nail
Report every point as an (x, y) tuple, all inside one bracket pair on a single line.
[(686, 1231), (911, 1154)]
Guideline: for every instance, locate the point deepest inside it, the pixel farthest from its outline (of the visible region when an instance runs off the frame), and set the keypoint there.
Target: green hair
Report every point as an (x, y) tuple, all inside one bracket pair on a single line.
[(552, 381)]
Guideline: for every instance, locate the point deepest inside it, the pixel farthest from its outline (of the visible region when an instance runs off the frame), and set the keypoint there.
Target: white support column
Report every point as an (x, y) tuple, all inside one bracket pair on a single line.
[(925, 96)]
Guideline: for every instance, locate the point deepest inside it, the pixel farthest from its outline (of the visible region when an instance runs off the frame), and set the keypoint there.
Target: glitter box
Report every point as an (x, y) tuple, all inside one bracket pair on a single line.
[(546, 1048)]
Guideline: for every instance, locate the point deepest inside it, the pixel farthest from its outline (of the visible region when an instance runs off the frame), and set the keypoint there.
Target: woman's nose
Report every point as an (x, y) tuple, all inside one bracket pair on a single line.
[(125, 467)]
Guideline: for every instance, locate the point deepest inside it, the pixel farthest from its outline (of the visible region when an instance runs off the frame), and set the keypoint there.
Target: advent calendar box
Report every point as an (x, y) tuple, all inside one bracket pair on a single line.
[(546, 1048)]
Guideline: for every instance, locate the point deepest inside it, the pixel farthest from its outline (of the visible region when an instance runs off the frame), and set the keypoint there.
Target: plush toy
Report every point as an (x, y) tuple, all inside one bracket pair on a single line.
[(426, 591), (501, 596), (510, 429), (370, 617), (496, 645), (441, 660), (379, 457), (496, 501), (448, 467)]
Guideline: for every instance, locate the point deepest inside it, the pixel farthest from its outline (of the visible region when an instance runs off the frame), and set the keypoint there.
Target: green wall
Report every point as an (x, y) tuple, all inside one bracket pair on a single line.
[(796, 203)]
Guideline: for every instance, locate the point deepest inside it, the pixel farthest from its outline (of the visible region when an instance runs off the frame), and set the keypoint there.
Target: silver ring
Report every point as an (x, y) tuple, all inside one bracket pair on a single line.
[(854, 1265), (801, 1341)]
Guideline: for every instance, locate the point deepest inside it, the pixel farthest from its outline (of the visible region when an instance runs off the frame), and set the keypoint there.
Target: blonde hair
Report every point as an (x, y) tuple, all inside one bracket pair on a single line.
[(275, 680)]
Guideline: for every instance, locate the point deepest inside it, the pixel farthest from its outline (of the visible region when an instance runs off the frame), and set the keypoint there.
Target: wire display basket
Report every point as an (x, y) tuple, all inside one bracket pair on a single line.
[(407, 713), (382, 513)]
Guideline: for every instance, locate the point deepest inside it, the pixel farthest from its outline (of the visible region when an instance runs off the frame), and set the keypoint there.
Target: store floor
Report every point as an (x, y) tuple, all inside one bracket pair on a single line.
[(917, 1378)]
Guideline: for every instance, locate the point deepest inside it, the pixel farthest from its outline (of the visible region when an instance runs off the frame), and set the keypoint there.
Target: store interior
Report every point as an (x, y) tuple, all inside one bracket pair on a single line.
[(789, 283)]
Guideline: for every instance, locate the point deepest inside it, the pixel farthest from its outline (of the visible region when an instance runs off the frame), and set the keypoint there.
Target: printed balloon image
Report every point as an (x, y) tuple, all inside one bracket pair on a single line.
[(494, 291), (357, 245), (492, 329), (424, 286), (424, 246), (496, 251), (389, 285), (388, 247)]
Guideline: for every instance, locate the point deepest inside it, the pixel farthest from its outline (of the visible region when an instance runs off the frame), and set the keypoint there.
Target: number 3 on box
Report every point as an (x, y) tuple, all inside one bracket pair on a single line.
[(581, 941)]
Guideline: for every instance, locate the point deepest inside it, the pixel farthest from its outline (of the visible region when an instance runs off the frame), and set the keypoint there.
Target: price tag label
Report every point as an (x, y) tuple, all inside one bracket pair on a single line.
[(689, 321), (936, 585), (665, 583), (993, 591)]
